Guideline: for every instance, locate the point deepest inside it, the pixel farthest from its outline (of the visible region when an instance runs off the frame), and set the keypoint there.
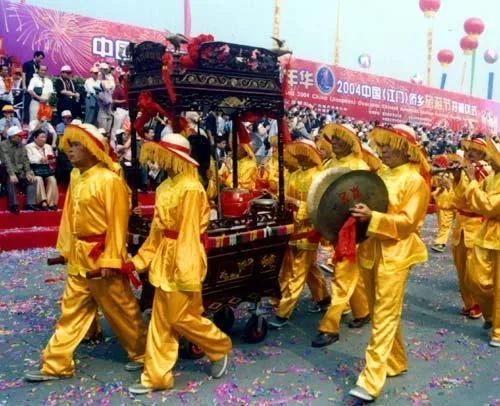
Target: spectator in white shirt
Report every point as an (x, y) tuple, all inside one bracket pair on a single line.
[(92, 87), (40, 88), (105, 98), (42, 161)]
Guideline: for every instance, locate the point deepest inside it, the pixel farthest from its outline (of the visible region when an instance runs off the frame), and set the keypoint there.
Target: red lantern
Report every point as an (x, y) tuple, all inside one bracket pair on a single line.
[(474, 27), (445, 57), (468, 45), (429, 7)]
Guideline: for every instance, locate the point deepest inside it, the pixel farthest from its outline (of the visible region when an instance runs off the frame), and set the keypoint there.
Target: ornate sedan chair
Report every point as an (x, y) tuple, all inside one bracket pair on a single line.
[(245, 251)]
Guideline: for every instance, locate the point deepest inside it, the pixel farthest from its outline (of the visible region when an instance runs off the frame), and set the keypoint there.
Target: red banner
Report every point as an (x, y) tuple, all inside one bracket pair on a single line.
[(369, 97)]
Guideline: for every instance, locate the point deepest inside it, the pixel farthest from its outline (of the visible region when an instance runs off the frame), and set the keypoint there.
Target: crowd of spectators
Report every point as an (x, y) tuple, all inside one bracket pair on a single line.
[(35, 109)]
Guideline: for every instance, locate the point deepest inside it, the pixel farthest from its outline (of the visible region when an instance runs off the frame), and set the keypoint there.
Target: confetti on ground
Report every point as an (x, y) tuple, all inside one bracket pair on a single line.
[(450, 361)]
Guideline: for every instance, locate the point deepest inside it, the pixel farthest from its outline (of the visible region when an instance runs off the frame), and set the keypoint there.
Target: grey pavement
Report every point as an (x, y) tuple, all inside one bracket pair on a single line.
[(449, 358)]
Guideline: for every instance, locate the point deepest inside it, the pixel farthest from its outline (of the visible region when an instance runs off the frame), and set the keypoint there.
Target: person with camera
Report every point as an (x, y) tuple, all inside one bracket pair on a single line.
[(42, 161)]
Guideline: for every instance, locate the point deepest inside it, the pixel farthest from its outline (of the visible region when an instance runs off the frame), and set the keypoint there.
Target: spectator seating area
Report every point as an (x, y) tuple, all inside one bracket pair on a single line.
[(37, 229)]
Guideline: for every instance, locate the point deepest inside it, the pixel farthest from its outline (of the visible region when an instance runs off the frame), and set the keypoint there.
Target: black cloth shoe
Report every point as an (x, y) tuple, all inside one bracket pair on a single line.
[(324, 339), (438, 247), (276, 322), (30, 207), (14, 209), (358, 323)]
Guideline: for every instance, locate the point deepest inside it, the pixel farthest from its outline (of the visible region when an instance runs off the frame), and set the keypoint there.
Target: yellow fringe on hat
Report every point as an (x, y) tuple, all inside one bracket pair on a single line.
[(335, 130), (372, 161), (290, 161), (470, 144), (247, 147), (297, 149), (382, 136), (324, 145), (493, 150), (166, 159), (74, 133)]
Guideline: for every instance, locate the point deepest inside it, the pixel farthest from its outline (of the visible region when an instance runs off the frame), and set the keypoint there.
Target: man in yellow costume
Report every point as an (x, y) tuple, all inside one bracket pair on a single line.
[(443, 196), (392, 248), (467, 225), (92, 241), (484, 199), (247, 164), (347, 287), (268, 171), (300, 261), (175, 256)]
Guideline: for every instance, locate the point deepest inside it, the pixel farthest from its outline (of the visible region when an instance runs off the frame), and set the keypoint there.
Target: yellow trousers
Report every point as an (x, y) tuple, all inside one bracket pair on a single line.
[(462, 257), (299, 267), (78, 310), (314, 280), (95, 329), (175, 314), (485, 285), (347, 288), (385, 354), (445, 221)]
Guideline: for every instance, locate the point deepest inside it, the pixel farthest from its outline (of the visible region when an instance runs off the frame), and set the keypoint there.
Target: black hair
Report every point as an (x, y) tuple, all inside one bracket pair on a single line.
[(38, 53), (36, 133)]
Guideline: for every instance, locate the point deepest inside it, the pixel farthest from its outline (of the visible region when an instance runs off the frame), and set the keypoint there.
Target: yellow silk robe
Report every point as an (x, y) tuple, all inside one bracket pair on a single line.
[(484, 199), (97, 203), (445, 213), (466, 224), (299, 266), (386, 256), (297, 188), (397, 230), (247, 174), (347, 288), (177, 264), (271, 173)]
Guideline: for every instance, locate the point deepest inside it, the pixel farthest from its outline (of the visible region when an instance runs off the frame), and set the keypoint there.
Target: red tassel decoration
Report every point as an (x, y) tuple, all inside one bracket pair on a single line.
[(346, 244)]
